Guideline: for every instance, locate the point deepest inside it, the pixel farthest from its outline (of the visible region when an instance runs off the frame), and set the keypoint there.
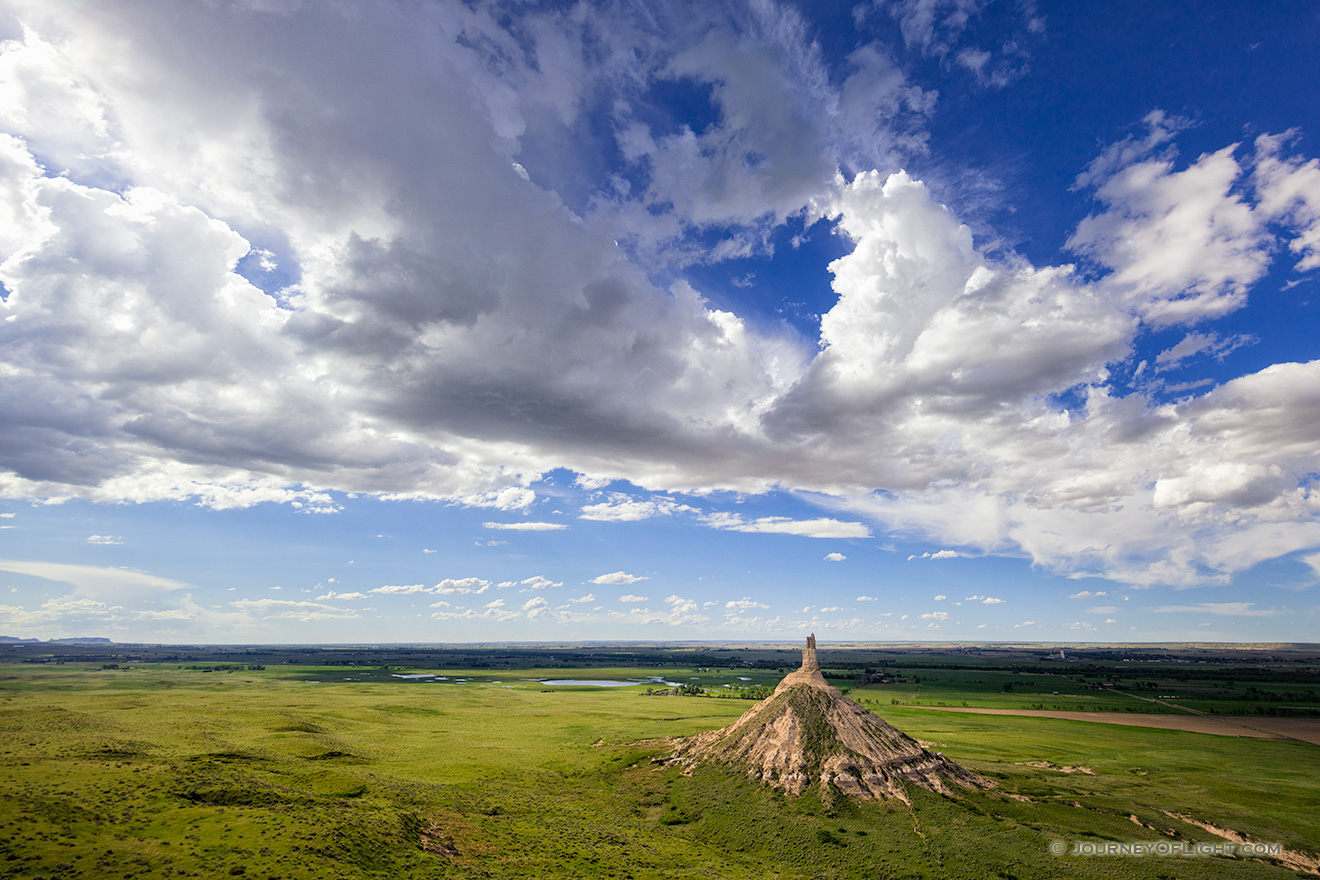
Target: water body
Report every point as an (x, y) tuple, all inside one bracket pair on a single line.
[(590, 682)]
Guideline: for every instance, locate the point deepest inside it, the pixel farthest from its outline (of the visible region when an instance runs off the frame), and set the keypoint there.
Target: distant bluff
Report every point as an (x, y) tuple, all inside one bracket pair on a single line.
[(808, 733)]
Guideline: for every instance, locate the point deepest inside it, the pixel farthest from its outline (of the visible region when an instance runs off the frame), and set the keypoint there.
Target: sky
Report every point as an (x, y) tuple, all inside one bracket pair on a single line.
[(431, 321)]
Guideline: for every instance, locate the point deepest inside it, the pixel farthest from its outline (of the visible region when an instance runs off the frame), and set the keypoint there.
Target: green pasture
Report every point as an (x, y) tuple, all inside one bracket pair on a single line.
[(158, 771), (1141, 691)]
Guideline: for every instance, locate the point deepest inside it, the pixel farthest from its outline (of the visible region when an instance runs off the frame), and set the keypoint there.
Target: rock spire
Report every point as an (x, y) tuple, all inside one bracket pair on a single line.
[(807, 733), (809, 672)]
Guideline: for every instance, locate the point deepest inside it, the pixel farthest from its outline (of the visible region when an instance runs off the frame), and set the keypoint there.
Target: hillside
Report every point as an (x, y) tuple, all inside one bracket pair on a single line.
[(808, 733)]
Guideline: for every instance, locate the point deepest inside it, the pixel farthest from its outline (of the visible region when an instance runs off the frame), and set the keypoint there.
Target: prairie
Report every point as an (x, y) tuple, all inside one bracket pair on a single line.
[(159, 770)]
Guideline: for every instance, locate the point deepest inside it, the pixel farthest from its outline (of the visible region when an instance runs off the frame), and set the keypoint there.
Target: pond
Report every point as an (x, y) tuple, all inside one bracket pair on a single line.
[(605, 682)]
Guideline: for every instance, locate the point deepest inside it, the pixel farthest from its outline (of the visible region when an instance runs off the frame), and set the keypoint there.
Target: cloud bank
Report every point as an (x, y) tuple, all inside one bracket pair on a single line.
[(219, 287)]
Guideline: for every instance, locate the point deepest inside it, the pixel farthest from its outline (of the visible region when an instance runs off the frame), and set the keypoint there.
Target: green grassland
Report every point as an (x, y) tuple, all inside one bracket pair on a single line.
[(157, 770), (1144, 692)]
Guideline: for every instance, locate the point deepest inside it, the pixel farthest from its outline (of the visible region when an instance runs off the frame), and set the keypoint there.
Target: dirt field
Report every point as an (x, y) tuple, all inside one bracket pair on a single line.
[(1304, 729)]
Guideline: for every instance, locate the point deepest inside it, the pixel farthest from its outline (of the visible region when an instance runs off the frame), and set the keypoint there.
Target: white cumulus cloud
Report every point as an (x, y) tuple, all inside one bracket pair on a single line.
[(744, 604), (401, 589), (618, 577), (782, 525), (525, 526), (461, 585), (623, 508)]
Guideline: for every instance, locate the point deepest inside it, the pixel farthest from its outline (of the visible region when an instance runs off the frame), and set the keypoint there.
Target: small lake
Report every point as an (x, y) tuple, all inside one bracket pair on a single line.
[(604, 682)]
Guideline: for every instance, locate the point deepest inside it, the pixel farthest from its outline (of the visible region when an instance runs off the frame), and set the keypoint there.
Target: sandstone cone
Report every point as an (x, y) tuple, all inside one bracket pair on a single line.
[(807, 733)]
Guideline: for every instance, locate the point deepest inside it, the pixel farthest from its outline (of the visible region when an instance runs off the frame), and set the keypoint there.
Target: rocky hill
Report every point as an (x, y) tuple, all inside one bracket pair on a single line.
[(808, 733)]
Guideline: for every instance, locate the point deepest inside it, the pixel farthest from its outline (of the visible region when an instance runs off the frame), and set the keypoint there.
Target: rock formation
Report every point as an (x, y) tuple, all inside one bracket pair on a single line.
[(808, 733)]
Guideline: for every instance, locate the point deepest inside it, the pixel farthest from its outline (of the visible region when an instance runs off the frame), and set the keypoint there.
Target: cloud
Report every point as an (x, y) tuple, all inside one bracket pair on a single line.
[(1182, 246), (506, 498), (618, 577), (935, 615), (936, 28), (537, 582), (835, 557), (1195, 343), (583, 600), (345, 597), (622, 508), (451, 586), (366, 292), (402, 589), (525, 526), (932, 26), (412, 318), (291, 609), (535, 608), (744, 604), (682, 612), (61, 609), (629, 597), (1222, 609), (104, 539), (941, 597), (990, 600), (868, 599), (938, 554), (494, 611), (109, 584), (782, 525), (168, 614), (1289, 191), (1087, 594)]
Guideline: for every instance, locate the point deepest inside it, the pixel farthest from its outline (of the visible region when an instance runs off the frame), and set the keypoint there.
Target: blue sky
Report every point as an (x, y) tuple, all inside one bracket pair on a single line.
[(440, 321)]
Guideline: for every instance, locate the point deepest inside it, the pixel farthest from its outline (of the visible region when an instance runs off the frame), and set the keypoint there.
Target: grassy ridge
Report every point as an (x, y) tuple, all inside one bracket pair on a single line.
[(166, 772)]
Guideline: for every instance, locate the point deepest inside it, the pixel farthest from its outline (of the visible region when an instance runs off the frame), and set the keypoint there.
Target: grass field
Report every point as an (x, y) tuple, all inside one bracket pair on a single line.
[(156, 770)]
